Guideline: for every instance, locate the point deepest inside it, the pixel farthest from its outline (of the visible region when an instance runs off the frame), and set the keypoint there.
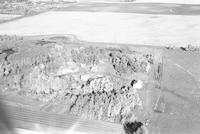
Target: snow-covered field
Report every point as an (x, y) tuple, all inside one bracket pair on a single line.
[(111, 27), (135, 1), (170, 1), (147, 1)]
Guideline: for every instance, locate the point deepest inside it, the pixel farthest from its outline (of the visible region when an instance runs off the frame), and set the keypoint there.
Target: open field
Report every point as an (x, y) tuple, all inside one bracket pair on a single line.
[(140, 8), (100, 27), (144, 1), (169, 1)]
